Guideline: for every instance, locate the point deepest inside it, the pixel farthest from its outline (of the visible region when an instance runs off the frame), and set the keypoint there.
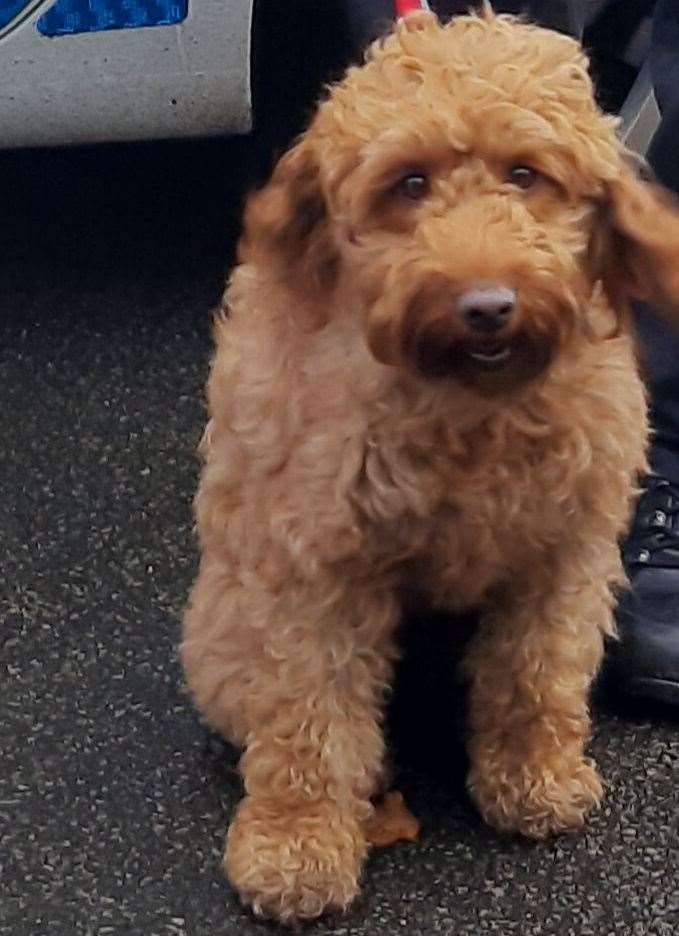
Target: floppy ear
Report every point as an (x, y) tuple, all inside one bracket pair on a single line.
[(637, 254), (286, 225)]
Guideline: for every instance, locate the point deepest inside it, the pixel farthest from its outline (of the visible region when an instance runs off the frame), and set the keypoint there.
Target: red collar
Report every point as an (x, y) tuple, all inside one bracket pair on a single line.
[(401, 7)]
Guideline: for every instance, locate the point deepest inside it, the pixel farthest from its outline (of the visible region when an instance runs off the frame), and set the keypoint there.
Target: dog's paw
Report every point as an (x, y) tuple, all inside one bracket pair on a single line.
[(294, 866), (536, 804)]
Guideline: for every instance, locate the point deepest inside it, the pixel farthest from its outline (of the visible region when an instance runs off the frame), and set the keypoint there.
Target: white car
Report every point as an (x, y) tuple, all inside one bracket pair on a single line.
[(85, 71)]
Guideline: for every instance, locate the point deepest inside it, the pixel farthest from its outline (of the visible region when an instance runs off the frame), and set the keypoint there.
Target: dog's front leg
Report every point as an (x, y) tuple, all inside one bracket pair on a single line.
[(530, 667), (314, 755)]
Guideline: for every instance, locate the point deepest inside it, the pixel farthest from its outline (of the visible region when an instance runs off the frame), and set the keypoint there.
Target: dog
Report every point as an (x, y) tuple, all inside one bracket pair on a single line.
[(425, 385)]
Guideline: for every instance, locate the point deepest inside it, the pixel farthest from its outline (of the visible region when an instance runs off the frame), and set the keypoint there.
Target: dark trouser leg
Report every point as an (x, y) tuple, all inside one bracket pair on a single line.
[(660, 355), (646, 661)]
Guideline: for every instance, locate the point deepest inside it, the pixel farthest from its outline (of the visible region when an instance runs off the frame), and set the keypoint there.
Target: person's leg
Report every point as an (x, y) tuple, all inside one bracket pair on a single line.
[(660, 342), (645, 662)]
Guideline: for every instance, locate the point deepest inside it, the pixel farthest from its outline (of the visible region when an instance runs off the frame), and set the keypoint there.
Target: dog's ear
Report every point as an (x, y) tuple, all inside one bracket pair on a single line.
[(287, 229), (635, 249)]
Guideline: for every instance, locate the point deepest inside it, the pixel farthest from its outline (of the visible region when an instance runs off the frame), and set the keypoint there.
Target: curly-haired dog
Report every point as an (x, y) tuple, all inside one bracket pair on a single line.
[(426, 380)]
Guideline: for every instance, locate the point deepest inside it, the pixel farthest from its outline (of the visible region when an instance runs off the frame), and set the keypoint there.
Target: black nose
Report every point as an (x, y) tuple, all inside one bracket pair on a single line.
[(486, 309)]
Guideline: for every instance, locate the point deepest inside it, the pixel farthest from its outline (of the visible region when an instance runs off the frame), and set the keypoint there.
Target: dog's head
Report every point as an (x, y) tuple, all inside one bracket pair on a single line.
[(465, 189)]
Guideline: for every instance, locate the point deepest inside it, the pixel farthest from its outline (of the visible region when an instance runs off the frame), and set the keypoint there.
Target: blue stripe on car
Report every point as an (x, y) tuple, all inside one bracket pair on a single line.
[(9, 9), (67, 17)]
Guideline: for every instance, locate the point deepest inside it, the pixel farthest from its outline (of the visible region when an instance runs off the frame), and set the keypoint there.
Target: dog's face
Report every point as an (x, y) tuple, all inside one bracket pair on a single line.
[(465, 185)]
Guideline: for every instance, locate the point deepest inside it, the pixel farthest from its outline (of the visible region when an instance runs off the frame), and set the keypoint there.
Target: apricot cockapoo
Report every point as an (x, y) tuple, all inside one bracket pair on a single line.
[(424, 382)]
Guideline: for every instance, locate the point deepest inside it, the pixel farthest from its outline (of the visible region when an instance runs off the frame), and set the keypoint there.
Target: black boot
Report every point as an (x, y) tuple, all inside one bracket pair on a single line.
[(645, 661)]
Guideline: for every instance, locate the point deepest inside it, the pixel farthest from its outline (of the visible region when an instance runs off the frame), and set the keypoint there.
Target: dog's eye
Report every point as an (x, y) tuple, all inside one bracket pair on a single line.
[(413, 186), (523, 176)]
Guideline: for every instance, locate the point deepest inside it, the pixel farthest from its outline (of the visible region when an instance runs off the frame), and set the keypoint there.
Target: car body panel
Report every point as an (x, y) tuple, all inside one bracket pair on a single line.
[(128, 82)]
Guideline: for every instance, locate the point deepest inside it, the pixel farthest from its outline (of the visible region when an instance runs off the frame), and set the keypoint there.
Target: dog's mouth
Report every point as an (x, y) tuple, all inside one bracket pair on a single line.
[(442, 360), (492, 359), (489, 367)]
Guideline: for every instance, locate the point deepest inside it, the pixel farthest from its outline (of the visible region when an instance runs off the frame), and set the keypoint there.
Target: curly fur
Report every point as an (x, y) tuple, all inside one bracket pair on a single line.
[(342, 467)]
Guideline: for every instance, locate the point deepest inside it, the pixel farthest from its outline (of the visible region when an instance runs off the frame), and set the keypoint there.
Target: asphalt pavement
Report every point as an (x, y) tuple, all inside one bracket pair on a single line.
[(114, 800)]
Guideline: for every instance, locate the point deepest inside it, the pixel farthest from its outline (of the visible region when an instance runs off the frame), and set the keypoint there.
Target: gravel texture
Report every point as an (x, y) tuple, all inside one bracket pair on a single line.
[(113, 798)]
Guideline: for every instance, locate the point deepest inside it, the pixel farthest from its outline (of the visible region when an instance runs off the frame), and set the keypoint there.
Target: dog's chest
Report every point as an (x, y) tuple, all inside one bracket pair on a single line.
[(480, 539), (460, 512)]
